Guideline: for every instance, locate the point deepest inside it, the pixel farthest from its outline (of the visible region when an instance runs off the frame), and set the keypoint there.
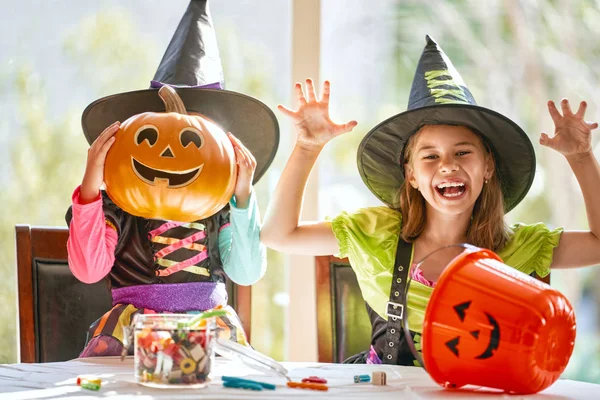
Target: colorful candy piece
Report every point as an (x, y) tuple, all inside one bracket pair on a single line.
[(315, 379), (197, 352), (90, 385), (197, 337), (242, 385), (175, 375), (144, 340), (159, 363), (202, 365), (307, 385), (171, 349), (95, 381), (379, 378), (187, 366), (362, 378), (236, 379)]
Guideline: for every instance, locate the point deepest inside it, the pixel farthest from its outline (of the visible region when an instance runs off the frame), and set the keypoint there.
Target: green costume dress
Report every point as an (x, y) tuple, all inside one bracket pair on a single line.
[(369, 236)]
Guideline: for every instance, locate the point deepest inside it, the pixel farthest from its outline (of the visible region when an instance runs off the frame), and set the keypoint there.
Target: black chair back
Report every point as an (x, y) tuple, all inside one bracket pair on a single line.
[(343, 324)]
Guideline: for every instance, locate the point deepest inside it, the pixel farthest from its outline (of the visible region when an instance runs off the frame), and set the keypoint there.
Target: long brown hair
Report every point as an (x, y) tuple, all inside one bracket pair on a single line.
[(487, 229)]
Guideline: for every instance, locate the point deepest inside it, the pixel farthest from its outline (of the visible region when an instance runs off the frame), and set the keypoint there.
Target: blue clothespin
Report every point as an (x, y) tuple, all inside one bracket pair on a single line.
[(242, 385), (234, 379), (362, 378)]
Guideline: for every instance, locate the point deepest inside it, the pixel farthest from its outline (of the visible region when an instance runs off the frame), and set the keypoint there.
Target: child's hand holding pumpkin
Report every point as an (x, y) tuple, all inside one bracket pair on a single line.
[(246, 166), (94, 170)]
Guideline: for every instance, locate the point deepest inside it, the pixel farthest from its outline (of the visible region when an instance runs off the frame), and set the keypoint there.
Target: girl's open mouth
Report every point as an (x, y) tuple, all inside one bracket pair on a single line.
[(451, 190)]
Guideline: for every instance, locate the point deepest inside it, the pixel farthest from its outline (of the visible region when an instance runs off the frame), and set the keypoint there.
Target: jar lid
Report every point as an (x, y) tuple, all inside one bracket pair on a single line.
[(249, 357)]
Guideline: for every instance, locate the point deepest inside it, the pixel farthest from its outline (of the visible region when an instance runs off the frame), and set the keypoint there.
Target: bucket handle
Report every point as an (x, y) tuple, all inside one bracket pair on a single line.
[(407, 335), (468, 248)]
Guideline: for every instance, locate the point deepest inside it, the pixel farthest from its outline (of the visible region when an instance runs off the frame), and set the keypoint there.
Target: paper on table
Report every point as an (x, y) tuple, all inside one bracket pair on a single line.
[(34, 381)]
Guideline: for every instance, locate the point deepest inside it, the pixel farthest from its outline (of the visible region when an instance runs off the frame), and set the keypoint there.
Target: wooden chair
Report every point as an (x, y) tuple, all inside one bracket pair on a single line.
[(56, 309), (343, 325)]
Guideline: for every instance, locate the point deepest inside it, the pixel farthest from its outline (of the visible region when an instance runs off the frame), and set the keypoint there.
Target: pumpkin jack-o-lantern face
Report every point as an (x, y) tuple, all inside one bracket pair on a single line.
[(147, 135), (170, 165), (484, 343)]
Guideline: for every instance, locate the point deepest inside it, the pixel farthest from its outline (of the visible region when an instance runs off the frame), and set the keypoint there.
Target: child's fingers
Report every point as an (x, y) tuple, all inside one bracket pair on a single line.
[(244, 160), (239, 156), (109, 131), (106, 147), (310, 90), (326, 92), (300, 94), (553, 111), (545, 140), (238, 146), (286, 111), (241, 145), (592, 125), (106, 134), (566, 107), (237, 142), (245, 155), (248, 155), (111, 126), (347, 127), (232, 139), (581, 111)]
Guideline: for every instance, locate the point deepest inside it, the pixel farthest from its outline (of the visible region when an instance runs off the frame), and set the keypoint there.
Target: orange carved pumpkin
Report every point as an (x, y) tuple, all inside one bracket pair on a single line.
[(170, 165)]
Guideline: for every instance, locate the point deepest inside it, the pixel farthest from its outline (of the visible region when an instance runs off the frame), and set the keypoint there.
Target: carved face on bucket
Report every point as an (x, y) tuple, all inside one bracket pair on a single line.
[(170, 166), (480, 343)]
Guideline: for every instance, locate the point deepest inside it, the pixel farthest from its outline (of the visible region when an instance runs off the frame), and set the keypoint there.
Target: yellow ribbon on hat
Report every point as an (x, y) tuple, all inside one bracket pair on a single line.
[(441, 95)]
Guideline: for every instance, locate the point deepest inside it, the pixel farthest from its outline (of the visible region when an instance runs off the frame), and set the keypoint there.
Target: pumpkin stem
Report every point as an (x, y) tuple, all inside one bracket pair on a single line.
[(173, 102)]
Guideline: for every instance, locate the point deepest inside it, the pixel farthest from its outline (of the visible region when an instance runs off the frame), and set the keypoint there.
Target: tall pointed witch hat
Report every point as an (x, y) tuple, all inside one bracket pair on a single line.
[(439, 96), (192, 65)]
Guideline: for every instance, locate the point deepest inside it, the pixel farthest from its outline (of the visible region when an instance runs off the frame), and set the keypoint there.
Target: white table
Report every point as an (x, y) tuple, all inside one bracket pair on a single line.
[(58, 380)]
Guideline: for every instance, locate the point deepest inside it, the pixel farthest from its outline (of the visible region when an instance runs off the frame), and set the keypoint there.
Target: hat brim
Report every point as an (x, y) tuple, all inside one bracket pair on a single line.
[(380, 152), (247, 118)]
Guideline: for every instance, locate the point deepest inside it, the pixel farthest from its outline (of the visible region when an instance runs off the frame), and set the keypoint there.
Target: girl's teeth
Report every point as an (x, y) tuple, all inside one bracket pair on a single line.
[(451, 190), (453, 184), (452, 194)]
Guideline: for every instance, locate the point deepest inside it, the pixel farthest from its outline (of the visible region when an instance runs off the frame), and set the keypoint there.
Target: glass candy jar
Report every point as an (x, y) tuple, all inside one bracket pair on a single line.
[(173, 350)]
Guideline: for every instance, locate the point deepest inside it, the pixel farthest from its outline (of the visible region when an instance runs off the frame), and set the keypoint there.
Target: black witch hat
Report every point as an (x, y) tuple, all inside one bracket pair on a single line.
[(439, 96), (192, 65)]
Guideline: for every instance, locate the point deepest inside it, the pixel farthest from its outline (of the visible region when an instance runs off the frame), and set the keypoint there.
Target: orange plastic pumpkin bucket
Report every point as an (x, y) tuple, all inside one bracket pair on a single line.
[(488, 324)]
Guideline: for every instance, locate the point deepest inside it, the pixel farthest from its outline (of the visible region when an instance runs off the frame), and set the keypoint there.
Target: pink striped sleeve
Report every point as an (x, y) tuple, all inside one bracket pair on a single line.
[(91, 245)]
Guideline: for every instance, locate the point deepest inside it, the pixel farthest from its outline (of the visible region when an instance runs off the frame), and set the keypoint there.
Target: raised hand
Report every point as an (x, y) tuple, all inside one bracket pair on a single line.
[(93, 177), (572, 134), (313, 126), (246, 166)]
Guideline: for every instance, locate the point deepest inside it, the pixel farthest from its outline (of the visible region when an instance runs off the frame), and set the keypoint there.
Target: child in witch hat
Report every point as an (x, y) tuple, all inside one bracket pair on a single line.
[(143, 259), (448, 170)]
